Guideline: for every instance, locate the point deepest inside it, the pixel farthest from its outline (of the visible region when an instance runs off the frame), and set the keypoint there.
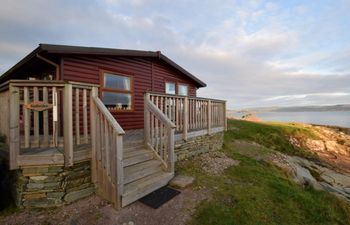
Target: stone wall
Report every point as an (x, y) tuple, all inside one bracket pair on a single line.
[(198, 145), (52, 185)]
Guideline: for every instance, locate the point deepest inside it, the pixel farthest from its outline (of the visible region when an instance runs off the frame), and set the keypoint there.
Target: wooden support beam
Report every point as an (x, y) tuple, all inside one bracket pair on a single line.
[(26, 118), (185, 118), (46, 119), (68, 125), (209, 116), (77, 118), (225, 117), (120, 170), (14, 127), (147, 118), (85, 117), (36, 118), (93, 119)]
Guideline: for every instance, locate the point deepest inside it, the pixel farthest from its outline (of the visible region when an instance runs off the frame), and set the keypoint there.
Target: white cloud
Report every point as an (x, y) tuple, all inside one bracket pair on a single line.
[(252, 53)]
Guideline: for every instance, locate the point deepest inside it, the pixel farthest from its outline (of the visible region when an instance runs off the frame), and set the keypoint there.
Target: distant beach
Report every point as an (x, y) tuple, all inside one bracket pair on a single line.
[(336, 118)]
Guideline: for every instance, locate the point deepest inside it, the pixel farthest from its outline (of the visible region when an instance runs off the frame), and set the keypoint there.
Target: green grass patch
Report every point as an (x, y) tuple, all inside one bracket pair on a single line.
[(272, 135), (256, 192)]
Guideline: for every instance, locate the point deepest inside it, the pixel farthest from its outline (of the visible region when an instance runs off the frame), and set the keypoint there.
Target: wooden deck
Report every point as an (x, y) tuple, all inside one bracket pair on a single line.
[(76, 126)]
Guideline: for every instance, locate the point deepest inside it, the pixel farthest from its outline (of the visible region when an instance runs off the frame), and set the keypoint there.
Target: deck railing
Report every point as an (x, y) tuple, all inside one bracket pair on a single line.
[(107, 152), (197, 116), (46, 121), (159, 134)]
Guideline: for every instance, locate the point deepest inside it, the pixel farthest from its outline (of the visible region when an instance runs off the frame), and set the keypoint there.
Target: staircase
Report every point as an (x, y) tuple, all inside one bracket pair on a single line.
[(143, 173), (126, 166)]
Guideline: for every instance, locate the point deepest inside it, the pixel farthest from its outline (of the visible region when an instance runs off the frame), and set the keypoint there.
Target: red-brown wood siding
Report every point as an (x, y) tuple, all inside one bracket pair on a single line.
[(87, 69)]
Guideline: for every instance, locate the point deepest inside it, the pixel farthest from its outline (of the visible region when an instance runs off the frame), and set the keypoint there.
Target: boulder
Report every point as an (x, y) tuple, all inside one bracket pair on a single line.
[(181, 181)]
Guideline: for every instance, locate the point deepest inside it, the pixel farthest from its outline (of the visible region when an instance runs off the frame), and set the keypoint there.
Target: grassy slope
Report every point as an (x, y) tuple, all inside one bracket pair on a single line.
[(271, 135), (256, 192)]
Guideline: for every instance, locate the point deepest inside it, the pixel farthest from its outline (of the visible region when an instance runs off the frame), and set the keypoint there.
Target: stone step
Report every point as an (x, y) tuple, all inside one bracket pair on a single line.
[(142, 187), (140, 170), (138, 156)]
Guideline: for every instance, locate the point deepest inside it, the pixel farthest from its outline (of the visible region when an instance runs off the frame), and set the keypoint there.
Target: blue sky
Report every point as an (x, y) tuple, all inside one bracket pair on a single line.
[(251, 53)]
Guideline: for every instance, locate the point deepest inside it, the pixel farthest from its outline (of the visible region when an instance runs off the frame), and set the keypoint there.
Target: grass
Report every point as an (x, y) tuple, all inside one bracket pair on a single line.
[(255, 192), (272, 135)]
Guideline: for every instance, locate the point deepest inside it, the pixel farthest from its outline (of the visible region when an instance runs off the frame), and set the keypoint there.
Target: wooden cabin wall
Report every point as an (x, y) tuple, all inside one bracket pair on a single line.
[(4, 113), (149, 74)]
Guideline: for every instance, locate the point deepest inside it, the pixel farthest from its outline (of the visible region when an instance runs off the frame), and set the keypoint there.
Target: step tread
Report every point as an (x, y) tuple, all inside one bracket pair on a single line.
[(130, 154), (140, 170), (133, 147), (141, 183), (142, 187), (137, 158)]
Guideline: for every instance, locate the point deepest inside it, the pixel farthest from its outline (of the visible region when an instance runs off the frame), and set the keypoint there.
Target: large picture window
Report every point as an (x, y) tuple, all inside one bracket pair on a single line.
[(117, 92)]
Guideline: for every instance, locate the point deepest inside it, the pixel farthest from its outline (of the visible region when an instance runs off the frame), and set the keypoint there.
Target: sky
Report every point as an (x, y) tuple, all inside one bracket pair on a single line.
[(250, 53)]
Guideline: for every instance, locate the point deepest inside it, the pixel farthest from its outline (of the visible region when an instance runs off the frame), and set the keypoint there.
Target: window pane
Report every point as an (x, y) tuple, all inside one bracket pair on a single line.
[(183, 90), (116, 82), (170, 88), (116, 101)]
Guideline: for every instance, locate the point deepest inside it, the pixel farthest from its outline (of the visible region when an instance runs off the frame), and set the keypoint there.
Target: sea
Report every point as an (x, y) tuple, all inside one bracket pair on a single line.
[(336, 118)]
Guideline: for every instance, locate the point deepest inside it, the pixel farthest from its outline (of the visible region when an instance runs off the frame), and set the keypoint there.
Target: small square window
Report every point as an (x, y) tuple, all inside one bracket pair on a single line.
[(183, 89), (170, 88)]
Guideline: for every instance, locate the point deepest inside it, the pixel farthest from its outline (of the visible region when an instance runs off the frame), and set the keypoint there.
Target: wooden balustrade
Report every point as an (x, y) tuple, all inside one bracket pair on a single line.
[(191, 114), (41, 116), (107, 151), (159, 128)]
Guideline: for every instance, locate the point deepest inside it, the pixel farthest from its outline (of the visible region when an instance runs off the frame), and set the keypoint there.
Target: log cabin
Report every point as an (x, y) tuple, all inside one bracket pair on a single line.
[(79, 120)]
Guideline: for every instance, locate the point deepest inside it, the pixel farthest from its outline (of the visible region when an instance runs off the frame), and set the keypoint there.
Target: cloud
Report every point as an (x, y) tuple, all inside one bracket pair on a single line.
[(251, 53)]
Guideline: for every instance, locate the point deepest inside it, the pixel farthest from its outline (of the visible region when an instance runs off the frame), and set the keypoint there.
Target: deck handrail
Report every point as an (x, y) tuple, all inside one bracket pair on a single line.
[(190, 113), (107, 152), (159, 134), (112, 121), (154, 93)]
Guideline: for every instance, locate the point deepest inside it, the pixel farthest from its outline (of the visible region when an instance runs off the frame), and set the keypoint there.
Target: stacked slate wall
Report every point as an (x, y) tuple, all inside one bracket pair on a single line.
[(198, 145), (48, 186)]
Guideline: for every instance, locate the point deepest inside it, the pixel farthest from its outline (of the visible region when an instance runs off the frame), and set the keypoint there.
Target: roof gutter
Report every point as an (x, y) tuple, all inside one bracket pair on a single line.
[(52, 63)]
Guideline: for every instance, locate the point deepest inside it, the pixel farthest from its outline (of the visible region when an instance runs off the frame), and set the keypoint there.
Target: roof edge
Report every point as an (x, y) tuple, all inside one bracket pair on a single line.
[(69, 49)]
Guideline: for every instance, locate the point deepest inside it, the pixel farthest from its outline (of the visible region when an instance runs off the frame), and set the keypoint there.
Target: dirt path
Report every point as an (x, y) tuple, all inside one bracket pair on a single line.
[(93, 210)]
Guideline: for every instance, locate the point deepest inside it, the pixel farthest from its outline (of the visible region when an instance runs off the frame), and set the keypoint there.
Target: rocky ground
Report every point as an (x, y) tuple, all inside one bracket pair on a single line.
[(307, 172), (331, 145)]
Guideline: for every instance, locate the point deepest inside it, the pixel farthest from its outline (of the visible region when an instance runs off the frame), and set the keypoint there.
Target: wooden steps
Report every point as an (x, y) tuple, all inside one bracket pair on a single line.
[(140, 170), (135, 157), (144, 186), (143, 172)]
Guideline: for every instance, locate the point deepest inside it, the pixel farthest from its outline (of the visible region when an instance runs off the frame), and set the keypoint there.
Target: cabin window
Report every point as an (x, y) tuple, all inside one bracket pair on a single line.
[(170, 88), (182, 89), (117, 92)]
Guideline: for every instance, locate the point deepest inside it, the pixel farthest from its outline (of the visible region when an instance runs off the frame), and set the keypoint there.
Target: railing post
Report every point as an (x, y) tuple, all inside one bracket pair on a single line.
[(14, 127), (68, 125), (225, 119), (171, 163), (185, 120), (209, 116), (120, 170), (93, 93), (146, 118)]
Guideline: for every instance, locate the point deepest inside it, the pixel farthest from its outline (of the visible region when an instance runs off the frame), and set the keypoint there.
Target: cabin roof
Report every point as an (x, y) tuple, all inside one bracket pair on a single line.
[(80, 50)]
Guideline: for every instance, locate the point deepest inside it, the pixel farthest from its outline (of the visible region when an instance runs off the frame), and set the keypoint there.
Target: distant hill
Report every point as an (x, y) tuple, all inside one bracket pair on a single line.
[(340, 107)]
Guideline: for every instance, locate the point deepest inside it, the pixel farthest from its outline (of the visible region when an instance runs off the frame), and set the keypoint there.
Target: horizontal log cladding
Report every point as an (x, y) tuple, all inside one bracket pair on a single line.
[(149, 74)]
